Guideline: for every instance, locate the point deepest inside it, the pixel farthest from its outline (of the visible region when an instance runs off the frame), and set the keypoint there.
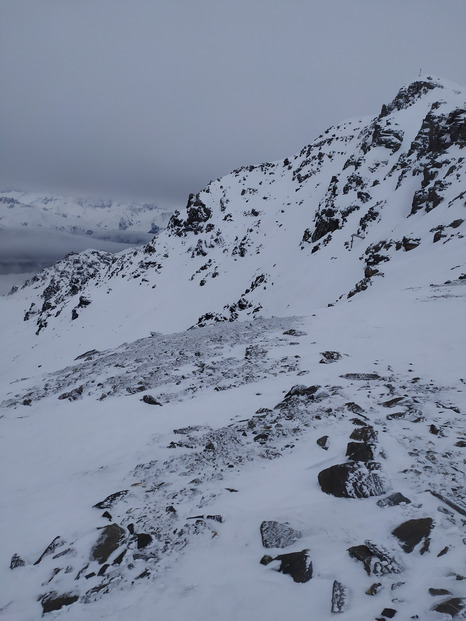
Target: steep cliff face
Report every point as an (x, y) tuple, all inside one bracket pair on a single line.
[(288, 236)]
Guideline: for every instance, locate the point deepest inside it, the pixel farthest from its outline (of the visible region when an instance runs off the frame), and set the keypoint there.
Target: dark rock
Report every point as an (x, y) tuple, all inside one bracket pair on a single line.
[(329, 357), (293, 332), (74, 314), (364, 434), (266, 559), (103, 569), (216, 518), (107, 515), (150, 400), (443, 551), (119, 558), (363, 554), (109, 540), (72, 395), (392, 402), (360, 376), (17, 561), (352, 480), (53, 601), (323, 442), (339, 596), (374, 588), (301, 391), (130, 528), (355, 408), (359, 451), (298, 565), (389, 613), (87, 354), (394, 499), (58, 542), (435, 592), (108, 502), (143, 540), (412, 532), (450, 606), (261, 438), (277, 535), (410, 244)]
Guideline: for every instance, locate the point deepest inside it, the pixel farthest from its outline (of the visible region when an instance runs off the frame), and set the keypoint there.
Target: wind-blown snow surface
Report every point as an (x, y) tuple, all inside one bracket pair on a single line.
[(239, 402)]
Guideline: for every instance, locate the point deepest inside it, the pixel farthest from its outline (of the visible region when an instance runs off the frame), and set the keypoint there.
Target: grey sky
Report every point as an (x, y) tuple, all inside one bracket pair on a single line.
[(153, 98)]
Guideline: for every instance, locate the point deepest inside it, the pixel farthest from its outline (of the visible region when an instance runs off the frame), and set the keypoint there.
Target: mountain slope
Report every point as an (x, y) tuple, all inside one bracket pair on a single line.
[(297, 234), (300, 450)]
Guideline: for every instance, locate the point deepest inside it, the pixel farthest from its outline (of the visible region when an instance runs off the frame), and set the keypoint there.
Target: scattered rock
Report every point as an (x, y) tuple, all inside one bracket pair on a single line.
[(394, 499), (389, 613), (450, 606), (293, 332), (374, 588), (299, 390), (277, 535), (109, 540), (72, 395), (361, 376), (298, 565), (143, 540), (323, 442), (108, 502), (329, 356), (412, 532), (87, 354), (366, 434), (376, 559), (150, 400), (435, 592), (359, 451), (339, 596), (354, 407), (392, 402), (352, 480), (53, 601), (17, 561)]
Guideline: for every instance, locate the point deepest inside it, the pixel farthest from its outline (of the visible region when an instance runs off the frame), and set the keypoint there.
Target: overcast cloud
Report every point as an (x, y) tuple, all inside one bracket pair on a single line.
[(150, 99)]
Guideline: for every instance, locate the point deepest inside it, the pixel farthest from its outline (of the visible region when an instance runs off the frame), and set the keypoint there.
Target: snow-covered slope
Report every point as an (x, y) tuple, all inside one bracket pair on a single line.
[(299, 451), (99, 219)]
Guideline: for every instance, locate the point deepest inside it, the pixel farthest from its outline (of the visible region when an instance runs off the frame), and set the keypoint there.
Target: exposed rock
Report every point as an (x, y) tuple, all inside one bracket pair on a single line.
[(109, 540), (143, 540), (374, 588), (293, 332), (108, 502), (352, 480), (150, 400), (364, 434), (266, 559), (298, 565), (301, 391), (88, 355), (361, 376), (412, 532), (58, 542), (389, 613), (394, 499), (329, 357), (359, 451), (53, 601), (17, 561), (323, 442), (436, 592), (339, 596), (277, 535), (451, 606), (72, 395)]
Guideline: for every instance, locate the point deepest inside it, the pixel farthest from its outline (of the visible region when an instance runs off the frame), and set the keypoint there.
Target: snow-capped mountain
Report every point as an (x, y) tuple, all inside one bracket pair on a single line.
[(260, 413), (96, 218)]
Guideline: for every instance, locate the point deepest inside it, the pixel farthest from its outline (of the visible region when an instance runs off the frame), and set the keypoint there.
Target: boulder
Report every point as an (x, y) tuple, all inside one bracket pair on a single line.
[(451, 606), (339, 597), (323, 442), (52, 601), (298, 565), (359, 451), (329, 356), (278, 535), (352, 480), (412, 532), (366, 434), (109, 541), (150, 400)]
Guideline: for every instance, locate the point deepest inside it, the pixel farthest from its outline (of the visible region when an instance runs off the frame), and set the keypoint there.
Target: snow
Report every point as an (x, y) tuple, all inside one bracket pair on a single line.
[(228, 439)]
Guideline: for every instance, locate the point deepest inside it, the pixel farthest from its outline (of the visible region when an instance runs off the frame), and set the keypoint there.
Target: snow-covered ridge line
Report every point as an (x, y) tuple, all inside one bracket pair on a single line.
[(350, 204)]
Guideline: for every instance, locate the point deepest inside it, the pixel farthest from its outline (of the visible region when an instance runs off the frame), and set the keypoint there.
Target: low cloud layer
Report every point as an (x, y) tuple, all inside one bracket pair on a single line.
[(152, 99)]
